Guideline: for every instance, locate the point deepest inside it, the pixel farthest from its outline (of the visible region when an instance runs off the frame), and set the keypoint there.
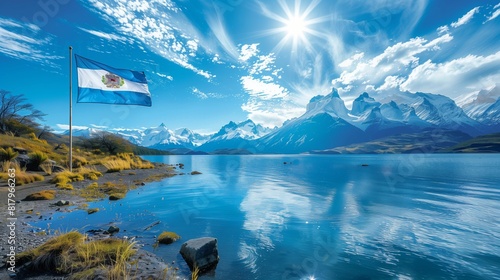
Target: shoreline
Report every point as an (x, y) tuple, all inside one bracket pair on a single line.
[(28, 237)]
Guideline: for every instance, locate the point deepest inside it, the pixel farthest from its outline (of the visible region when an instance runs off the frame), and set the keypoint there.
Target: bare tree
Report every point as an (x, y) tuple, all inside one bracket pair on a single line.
[(16, 113)]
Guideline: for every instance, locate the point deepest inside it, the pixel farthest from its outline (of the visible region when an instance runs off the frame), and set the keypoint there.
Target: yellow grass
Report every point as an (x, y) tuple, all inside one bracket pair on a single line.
[(32, 145), (21, 176), (66, 187), (91, 192), (195, 273), (7, 154), (125, 161), (89, 172), (116, 165), (41, 195), (65, 177), (92, 210), (167, 237), (70, 253)]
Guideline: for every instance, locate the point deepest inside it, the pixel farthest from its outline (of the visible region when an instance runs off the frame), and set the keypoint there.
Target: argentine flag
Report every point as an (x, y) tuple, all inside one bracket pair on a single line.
[(100, 83)]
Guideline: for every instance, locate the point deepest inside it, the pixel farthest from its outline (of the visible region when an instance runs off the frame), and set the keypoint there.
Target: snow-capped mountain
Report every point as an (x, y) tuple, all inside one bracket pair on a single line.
[(156, 137), (235, 136), (483, 106), (84, 132), (327, 121)]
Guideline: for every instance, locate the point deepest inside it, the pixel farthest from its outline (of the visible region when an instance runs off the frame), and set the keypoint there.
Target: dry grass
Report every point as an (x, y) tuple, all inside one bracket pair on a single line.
[(41, 195), (46, 167), (32, 145), (116, 196), (70, 253), (94, 191), (89, 172), (167, 237), (21, 176), (66, 187), (79, 161), (195, 273), (65, 177), (36, 159), (91, 192), (116, 165), (125, 161), (92, 210), (7, 154)]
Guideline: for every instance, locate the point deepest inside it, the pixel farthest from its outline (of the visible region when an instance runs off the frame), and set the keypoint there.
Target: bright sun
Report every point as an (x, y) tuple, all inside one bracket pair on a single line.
[(296, 26)]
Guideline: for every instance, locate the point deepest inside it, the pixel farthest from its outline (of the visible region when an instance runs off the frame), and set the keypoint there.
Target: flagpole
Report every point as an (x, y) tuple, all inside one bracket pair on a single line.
[(70, 109)]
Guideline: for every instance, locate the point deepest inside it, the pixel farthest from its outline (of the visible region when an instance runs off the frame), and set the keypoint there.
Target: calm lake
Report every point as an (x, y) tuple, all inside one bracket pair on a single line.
[(418, 216)]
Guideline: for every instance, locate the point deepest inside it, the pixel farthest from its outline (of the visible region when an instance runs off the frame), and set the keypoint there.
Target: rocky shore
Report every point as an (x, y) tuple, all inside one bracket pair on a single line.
[(147, 265)]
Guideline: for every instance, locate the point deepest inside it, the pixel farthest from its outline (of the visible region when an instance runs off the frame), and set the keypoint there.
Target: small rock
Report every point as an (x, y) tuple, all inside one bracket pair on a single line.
[(201, 253), (61, 203), (112, 230)]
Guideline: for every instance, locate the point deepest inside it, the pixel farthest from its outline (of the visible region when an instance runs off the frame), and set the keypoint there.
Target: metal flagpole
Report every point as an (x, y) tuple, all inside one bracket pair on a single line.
[(70, 109)]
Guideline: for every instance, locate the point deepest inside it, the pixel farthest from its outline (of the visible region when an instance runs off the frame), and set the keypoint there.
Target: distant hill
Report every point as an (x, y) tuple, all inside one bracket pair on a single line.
[(483, 144), (427, 141)]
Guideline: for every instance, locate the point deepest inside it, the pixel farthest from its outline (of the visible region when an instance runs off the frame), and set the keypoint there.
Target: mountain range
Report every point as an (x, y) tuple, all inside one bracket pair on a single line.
[(328, 124)]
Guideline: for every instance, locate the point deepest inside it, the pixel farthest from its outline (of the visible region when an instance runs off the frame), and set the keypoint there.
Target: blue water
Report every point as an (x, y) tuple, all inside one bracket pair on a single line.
[(413, 216)]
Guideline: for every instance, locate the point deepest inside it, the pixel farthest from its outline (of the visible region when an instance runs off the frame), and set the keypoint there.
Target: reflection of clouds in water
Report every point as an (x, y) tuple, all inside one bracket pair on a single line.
[(248, 254), (268, 206), (446, 226)]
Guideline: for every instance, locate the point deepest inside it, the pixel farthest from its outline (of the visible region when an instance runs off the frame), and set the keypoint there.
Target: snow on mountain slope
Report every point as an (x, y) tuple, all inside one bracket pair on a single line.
[(331, 104), (475, 105), (363, 104), (235, 136)]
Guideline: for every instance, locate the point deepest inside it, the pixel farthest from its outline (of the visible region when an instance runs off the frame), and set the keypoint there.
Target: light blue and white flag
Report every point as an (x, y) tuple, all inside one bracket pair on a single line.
[(100, 83)]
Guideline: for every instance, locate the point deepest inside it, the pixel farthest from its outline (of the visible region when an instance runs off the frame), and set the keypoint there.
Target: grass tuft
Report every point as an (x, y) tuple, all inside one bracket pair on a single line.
[(7, 154), (168, 237), (70, 253), (36, 159), (66, 187), (41, 195), (65, 177), (22, 177), (92, 210), (116, 196)]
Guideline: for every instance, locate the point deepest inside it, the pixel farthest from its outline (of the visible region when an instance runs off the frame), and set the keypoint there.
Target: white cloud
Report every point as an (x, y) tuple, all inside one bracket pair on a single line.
[(103, 35), (199, 93), (456, 77), (248, 51), (395, 60), (391, 82), (495, 13), (170, 35), (348, 62), (215, 21), (443, 29), (27, 42), (202, 95), (466, 18), (274, 114), (168, 77), (261, 89)]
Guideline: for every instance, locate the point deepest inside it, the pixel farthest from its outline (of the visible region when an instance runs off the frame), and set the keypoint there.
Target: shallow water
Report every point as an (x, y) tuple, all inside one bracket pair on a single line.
[(413, 216)]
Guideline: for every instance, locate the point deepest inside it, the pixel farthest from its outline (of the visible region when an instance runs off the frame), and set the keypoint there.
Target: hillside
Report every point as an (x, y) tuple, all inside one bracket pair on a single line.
[(428, 141), (483, 144)]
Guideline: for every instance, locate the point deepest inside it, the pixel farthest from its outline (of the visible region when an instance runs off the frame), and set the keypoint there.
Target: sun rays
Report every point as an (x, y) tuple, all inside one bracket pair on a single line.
[(297, 25)]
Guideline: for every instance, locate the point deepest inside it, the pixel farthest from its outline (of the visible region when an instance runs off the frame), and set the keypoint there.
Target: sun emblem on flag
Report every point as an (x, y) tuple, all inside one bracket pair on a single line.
[(112, 81)]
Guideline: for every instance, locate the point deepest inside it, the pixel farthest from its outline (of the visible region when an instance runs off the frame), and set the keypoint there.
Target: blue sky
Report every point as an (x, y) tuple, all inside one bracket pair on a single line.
[(210, 62)]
